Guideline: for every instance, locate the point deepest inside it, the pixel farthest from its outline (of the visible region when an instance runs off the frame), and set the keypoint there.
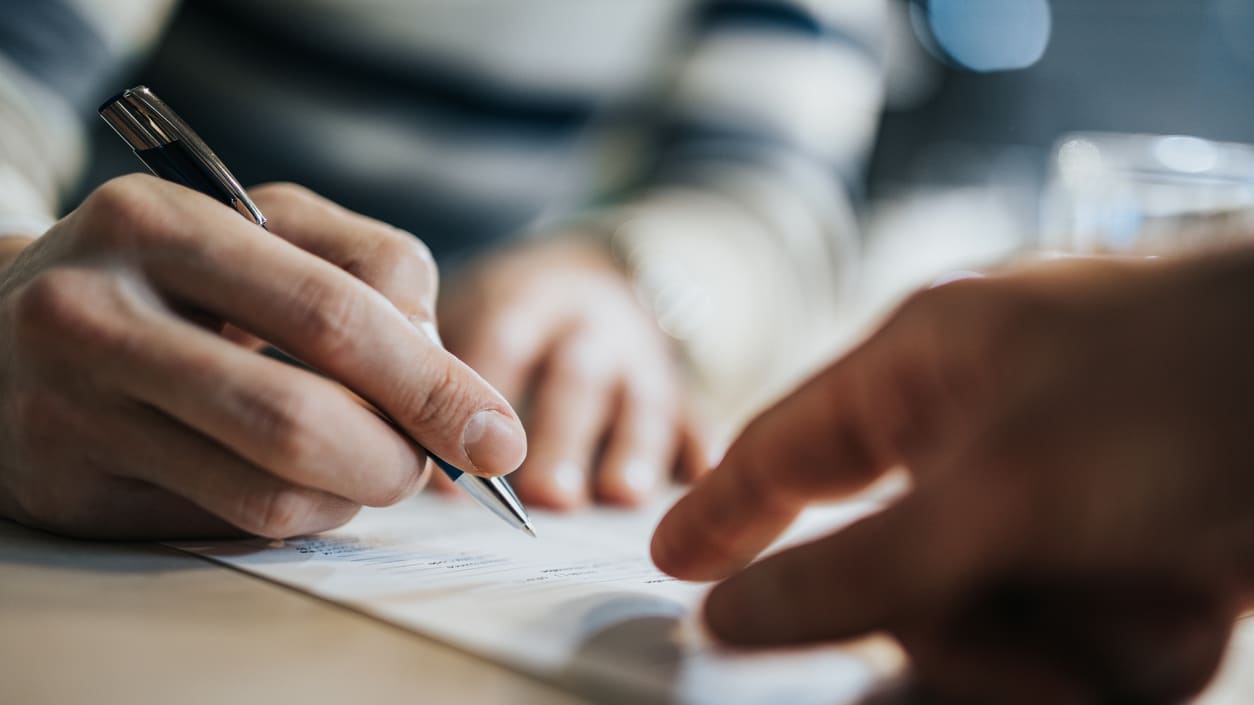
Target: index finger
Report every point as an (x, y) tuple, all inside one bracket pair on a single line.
[(807, 447), (395, 263), (216, 261), (832, 437)]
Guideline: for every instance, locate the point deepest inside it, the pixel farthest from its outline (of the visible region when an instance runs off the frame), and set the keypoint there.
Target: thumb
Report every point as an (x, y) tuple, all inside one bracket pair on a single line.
[(910, 558)]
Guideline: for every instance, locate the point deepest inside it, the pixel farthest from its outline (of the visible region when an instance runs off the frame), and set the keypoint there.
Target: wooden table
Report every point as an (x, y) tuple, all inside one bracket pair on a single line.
[(133, 624), (104, 623)]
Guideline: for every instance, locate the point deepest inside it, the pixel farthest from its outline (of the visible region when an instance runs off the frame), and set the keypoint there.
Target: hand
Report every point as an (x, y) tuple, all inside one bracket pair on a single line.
[(1079, 524), (556, 323), (126, 410)]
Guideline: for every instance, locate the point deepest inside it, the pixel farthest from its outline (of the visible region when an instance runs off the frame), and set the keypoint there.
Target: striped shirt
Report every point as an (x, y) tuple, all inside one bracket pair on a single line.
[(710, 141)]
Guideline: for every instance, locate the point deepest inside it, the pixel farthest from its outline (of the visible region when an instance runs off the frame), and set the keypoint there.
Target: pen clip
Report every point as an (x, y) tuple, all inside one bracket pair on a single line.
[(146, 122)]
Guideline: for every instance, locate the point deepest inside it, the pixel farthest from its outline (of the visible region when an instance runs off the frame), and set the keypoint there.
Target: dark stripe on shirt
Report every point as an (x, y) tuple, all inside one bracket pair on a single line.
[(52, 41), (444, 89), (714, 15), (685, 142)]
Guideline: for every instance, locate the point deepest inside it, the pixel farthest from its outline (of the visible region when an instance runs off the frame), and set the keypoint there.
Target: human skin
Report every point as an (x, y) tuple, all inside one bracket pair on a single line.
[(133, 403), (555, 325), (1078, 525)]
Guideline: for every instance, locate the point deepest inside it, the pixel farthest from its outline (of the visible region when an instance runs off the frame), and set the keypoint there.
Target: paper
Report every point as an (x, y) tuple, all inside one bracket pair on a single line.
[(581, 606)]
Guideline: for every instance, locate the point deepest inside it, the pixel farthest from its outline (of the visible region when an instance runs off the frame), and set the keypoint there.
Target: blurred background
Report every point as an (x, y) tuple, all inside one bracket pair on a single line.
[(774, 175), (1106, 126)]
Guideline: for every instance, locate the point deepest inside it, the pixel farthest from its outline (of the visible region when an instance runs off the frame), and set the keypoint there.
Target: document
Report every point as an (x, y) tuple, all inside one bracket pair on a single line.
[(580, 606)]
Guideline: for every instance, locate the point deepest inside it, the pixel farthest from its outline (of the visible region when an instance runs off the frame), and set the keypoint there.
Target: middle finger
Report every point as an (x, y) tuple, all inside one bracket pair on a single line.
[(639, 454), (174, 458), (573, 399), (298, 426)]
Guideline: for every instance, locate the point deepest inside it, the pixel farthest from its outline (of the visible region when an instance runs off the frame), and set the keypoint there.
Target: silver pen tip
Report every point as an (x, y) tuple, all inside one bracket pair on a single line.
[(530, 531)]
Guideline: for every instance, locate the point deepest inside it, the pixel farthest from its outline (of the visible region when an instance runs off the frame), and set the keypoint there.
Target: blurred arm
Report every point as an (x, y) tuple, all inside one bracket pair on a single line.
[(740, 232), (58, 60)]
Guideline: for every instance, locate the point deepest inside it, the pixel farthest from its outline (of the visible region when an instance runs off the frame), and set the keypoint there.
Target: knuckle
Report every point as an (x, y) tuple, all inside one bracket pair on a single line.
[(281, 193), (400, 246), (59, 302), (412, 254), (401, 261), (436, 402), (418, 249), (328, 317), (282, 421), (123, 211), (278, 513), (50, 298), (116, 197)]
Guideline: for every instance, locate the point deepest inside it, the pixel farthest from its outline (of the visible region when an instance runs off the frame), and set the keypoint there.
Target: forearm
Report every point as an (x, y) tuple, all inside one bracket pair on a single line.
[(739, 231), (52, 75), (747, 298)]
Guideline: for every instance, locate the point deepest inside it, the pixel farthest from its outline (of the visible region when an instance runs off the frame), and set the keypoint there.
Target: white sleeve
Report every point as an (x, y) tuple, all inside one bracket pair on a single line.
[(741, 234), (56, 63)]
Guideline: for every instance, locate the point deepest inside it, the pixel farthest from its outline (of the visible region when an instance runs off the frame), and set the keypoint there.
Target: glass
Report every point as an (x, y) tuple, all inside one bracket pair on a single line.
[(1127, 194)]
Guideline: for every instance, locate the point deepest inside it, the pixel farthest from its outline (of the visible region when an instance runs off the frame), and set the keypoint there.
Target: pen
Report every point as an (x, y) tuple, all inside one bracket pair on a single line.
[(171, 150)]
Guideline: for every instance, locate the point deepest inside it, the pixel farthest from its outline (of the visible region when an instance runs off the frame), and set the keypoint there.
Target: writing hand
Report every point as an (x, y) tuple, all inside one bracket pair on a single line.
[(126, 411)]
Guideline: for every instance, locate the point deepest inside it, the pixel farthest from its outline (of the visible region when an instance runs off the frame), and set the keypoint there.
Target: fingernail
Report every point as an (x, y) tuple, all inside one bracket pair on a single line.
[(494, 443), (569, 480), (640, 477)]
